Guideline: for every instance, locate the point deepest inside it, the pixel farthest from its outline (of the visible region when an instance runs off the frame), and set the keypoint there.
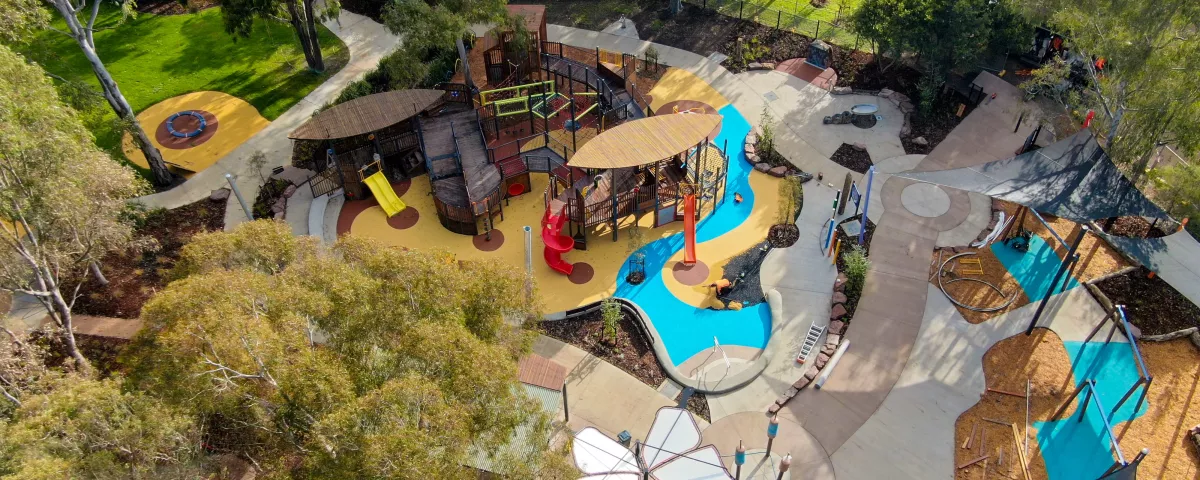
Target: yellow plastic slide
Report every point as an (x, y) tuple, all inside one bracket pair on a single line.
[(382, 189)]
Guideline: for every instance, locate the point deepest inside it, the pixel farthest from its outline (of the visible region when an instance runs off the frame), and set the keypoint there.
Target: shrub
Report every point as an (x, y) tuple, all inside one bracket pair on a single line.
[(857, 265), (791, 197), (610, 314)]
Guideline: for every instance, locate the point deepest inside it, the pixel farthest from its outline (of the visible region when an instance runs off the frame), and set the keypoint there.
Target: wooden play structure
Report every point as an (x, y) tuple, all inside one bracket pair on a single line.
[(664, 166)]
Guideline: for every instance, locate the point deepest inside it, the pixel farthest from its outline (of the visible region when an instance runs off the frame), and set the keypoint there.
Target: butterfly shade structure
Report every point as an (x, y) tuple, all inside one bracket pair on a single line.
[(671, 451)]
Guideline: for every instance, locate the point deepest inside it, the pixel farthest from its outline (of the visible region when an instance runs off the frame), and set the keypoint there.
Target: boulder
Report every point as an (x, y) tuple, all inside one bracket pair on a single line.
[(858, 146), (779, 171), (812, 373), (219, 194), (762, 167), (906, 107), (837, 312), (791, 392), (887, 93), (906, 129), (279, 205), (734, 306), (841, 91), (751, 149), (280, 215), (839, 297), (774, 408), (768, 66), (801, 383), (751, 139), (753, 159), (822, 359), (289, 191), (782, 400), (828, 349), (840, 283), (920, 141), (833, 339), (754, 66), (837, 327), (900, 97)]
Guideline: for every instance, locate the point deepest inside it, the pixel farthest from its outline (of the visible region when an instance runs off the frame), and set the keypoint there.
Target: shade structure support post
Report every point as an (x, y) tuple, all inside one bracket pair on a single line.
[(1099, 325), (571, 89), (1062, 269), (1083, 406), (1067, 402), (566, 409)]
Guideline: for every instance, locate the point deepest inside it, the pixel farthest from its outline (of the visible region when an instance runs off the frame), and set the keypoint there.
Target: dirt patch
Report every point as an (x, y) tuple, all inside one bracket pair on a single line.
[(632, 351), (134, 276), (697, 404), (933, 128), (1174, 408), (853, 158), (974, 293), (1150, 303), (1043, 361)]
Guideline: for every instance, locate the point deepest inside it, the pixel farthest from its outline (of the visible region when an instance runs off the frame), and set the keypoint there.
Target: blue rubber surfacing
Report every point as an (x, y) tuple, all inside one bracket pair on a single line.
[(686, 330), (1034, 270)]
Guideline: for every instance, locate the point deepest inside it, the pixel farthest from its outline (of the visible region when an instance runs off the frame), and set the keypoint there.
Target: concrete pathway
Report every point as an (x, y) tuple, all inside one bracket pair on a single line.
[(368, 42)]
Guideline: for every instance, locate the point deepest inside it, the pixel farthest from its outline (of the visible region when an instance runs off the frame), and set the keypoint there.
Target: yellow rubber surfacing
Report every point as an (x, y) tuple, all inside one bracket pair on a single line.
[(237, 122), (605, 256)]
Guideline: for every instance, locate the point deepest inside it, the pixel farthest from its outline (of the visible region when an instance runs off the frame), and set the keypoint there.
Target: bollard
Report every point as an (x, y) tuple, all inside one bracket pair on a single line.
[(238, 193), (739, 459), (784, 465), (772, 430)]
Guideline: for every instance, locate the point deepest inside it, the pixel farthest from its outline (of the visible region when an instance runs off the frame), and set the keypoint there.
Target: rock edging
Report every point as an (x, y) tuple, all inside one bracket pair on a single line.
[(898, 99), (1193, 333), (835, 334)]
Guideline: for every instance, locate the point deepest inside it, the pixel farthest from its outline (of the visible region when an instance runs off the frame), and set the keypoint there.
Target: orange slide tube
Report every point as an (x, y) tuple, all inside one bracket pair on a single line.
[(689, 229)]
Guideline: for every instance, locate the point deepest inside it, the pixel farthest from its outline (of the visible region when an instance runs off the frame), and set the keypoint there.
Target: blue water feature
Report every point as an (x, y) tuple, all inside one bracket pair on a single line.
[(1081, 450), (684, 329), (1033, 270)]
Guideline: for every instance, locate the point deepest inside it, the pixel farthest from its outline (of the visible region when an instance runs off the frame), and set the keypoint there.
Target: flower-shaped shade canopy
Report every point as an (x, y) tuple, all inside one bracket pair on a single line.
[(671, 452)]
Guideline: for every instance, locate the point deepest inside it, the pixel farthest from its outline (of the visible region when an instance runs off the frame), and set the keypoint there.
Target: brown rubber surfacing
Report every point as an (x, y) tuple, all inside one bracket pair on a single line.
[(186, 123), (690, 275)]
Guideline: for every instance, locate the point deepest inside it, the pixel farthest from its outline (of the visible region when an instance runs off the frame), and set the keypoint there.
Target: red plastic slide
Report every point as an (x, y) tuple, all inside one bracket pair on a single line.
[(689, 229), (556, 244)]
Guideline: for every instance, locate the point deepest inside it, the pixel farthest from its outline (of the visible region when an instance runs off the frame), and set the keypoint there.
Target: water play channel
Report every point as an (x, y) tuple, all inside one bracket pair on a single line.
[(685, 329)]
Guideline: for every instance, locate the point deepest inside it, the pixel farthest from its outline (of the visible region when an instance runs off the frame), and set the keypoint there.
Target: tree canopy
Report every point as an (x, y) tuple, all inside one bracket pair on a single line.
[(62, 198), (351, 361)]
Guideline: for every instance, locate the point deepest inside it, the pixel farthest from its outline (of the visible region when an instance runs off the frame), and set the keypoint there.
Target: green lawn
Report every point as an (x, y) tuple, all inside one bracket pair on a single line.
[(155, 57), (799, 16)]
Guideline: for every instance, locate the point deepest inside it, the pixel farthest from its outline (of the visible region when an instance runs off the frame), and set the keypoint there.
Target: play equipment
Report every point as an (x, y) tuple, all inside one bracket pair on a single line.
[(382, 189), (689, 229), (810, 342), (177, 133), (556, 244)]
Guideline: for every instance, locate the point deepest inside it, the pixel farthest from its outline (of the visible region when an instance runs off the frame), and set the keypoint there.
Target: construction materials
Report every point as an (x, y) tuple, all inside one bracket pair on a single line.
[(1014, 394), (997, 422), (1028, 386), (942, 287), (972, 462), (1020, 452), (810, 342), (967, 444), (833, 361), (976, 270)]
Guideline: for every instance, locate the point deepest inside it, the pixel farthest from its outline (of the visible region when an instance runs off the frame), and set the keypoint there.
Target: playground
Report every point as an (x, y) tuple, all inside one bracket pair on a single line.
[(195, 130)]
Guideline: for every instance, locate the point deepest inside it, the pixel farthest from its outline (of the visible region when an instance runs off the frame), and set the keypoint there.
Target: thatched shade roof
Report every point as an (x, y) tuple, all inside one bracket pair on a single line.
[(645, 141), (366, 114)]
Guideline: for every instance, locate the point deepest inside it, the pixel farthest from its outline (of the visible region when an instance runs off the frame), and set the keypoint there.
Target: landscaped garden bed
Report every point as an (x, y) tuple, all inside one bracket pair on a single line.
[(697, 404), (135, 275), (631, 352), (1150, 303), (852, 157)]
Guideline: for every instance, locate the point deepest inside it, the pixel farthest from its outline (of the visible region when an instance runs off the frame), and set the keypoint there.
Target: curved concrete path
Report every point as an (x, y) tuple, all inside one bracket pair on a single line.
[(368, 42)]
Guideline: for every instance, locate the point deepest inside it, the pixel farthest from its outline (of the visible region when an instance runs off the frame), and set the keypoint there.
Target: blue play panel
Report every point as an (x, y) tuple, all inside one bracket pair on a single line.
[(1081, 450), (1034, 270)]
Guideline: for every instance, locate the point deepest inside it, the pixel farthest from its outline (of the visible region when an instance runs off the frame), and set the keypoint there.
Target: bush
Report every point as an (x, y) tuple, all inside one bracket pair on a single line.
[(791, 197), (610, 314), (766, 141), (857, 265)]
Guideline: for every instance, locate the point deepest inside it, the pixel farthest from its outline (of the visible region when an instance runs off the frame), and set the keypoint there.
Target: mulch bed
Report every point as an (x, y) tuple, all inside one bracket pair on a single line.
[(697, 404), (1135, 227), (268, 195), (783, 236), (174, 7), (633, 352), (852, 158), (742, 271), (934, 128), (102, 352), (1150, 303), (135, 276)]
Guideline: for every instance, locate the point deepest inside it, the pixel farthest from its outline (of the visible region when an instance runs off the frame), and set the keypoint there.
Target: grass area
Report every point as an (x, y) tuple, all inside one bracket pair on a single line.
[(155, 57), (800, 16)]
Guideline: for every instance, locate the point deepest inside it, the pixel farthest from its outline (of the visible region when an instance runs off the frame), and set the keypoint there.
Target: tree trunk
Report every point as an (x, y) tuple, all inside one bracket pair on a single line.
[(60, 311), (95, 268), (462, 57), (112, 93), (306, 44), (314, 42)]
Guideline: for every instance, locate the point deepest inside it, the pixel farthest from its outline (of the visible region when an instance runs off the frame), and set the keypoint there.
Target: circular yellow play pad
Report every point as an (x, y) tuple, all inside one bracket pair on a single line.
[(195, 130)]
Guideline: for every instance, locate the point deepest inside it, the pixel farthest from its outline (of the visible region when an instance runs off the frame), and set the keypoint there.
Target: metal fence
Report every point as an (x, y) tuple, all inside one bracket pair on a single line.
[(794, 19)]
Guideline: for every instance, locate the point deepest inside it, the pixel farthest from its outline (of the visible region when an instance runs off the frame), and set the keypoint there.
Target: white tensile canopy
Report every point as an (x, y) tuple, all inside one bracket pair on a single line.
[(671, 451)]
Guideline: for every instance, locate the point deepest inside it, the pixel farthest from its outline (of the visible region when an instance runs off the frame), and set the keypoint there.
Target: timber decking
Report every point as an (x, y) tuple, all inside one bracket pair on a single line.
[(477, 178)]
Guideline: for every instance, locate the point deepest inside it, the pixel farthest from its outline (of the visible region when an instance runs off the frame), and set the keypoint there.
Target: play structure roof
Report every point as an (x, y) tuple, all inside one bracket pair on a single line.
[(1175, 258), (1072, 178), (645, 141), (367, 114)]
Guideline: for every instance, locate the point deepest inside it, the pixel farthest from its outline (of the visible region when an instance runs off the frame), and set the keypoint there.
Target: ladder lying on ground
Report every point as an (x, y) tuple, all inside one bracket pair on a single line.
[(810, 342)]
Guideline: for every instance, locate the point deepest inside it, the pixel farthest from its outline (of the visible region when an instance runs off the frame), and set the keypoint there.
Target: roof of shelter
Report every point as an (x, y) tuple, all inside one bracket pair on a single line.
[(537, 370), (645, 141), (366, 114), (1073, 178), (533, 15)]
